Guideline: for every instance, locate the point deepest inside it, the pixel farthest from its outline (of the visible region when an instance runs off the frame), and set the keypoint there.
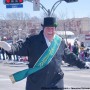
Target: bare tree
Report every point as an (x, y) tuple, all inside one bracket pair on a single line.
[(17, 16)]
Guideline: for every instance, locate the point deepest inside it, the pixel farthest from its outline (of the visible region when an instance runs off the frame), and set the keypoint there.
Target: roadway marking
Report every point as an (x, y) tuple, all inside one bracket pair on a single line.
[(85, 76), (76, 80), (79, 75), (5, 79)]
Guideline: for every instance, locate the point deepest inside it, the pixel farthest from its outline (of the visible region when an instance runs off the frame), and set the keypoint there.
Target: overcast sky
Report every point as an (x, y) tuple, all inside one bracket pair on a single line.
[(77, 9)]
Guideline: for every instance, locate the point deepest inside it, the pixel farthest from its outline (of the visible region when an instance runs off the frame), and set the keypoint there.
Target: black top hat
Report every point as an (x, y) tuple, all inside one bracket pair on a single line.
[(49, 22)]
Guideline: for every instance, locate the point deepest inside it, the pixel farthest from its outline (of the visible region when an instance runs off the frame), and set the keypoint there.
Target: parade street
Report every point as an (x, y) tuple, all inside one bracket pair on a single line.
[(74, 78)]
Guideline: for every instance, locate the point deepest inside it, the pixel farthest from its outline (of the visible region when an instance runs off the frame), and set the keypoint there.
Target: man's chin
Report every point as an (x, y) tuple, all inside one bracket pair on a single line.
[(50, 38)]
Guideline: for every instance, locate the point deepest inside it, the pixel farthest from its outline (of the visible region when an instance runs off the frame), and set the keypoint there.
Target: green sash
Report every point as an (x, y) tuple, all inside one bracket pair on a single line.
[(44, 60)]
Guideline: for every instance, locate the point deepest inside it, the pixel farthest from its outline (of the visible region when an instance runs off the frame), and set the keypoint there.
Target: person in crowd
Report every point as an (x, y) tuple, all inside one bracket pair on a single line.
[(0, 53), (70, 46), (45, 52), (3, 53), (15, 57), (87, 54), (82, 54), (8, 55), (75, 48), (82, 49), (82, 44)]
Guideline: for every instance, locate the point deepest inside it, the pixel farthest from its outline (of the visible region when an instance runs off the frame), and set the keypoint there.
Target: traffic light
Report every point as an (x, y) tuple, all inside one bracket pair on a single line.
[(68, 1), (13, 1), (36, 5)]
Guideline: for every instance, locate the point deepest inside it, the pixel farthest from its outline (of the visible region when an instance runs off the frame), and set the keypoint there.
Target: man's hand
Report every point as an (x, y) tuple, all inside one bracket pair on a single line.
[(87, 65)]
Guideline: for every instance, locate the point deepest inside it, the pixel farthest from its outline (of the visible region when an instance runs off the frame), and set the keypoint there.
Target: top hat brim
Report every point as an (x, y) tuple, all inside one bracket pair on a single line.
[(55, 25)]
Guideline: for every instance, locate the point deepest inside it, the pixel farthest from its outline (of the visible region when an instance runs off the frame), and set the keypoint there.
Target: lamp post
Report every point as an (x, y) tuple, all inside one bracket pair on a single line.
[(50, 12), (65, 32)]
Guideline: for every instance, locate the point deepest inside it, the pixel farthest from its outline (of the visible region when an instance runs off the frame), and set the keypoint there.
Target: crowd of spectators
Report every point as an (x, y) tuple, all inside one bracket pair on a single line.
[(80, 50)]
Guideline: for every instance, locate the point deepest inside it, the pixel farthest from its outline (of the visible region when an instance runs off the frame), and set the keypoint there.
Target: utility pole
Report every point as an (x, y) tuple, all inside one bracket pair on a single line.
[(50, 12)]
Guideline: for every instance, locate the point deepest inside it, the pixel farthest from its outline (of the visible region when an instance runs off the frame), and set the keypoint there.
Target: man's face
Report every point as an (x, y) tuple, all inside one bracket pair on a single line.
[(49, 32)]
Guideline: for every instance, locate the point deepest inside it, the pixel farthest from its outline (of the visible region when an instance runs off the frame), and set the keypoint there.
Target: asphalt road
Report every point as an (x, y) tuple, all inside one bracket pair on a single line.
[(74, 78)]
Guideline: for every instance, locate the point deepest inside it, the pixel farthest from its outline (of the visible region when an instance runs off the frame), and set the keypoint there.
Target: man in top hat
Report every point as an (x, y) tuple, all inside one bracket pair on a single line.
[(45, 52)]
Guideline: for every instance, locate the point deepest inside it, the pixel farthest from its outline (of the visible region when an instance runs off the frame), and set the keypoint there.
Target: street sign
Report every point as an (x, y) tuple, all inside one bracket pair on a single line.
[(14, 6), (36, 5)]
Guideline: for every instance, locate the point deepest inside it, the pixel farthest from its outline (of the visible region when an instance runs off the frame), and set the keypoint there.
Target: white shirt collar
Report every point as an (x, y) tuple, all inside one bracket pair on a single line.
[(47, 41)]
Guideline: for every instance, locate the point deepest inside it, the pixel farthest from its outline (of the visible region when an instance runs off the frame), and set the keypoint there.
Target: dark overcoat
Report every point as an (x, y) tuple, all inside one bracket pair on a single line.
[(49, 76)]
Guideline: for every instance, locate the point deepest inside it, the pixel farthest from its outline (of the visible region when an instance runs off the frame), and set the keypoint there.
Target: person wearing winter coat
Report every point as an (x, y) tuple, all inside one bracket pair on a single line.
[(45, 52)]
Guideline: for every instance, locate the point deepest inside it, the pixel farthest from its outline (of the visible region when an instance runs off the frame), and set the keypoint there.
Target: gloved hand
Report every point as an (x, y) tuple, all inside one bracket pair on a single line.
[(87, 65), (5, 45)]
